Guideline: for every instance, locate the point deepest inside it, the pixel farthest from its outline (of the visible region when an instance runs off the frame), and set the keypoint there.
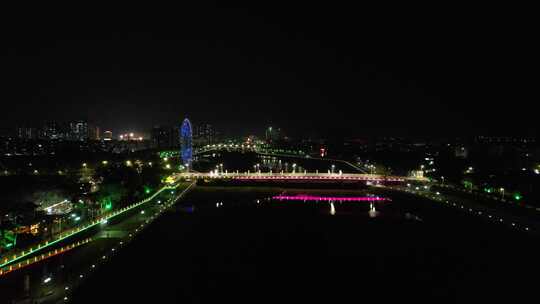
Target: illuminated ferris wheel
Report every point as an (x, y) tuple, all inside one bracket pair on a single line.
[(186, 143)]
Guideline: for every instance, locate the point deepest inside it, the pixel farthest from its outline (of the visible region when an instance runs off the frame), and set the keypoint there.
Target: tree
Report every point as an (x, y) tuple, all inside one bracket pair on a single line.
[(110, 195)]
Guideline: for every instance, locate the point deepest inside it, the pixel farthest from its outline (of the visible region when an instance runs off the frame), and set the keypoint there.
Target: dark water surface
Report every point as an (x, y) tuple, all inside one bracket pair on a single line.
[(295, 252)]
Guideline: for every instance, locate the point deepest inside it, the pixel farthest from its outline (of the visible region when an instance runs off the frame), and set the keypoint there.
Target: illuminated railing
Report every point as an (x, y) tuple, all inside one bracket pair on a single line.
[(38, 258), (294, 176)]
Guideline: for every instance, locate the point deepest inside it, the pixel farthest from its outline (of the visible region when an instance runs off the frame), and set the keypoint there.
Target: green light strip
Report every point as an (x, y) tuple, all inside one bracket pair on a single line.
[(48, 244), (67, 248)]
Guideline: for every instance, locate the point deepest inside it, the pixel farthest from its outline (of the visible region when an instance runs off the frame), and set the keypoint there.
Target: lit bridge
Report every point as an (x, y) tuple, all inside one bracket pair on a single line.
[(304, 177), (261, 151)]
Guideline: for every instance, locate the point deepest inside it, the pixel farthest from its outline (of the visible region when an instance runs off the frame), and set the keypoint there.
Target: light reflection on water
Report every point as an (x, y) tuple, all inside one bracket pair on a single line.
[(332, 208), (372, 212), (246, 201), (344, 202)]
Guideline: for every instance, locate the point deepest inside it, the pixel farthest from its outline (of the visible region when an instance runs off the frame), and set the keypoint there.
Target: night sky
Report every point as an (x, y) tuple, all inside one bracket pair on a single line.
[(310, 69)]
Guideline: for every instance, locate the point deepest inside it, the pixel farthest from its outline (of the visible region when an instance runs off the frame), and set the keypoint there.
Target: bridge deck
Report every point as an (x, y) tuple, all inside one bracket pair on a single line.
[(298, 176)]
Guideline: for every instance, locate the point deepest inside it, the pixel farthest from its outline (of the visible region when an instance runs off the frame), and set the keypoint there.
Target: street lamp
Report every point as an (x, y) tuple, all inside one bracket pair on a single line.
[(333, 167), (294, 168), (502, 192)]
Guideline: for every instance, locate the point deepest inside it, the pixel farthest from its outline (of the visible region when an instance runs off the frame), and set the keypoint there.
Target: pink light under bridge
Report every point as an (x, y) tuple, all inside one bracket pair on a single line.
[(302, 197)]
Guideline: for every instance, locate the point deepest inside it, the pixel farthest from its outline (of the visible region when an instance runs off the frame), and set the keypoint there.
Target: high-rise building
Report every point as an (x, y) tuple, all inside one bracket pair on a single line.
[(204, 134), (158, 137), (78, 130), (51, 130), (272, 134), (27, 132), (93, 132), (107, 135), (164, 137)]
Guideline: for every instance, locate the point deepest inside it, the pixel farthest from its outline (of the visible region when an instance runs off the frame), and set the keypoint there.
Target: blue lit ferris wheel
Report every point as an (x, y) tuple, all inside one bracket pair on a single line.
[(186, 143)]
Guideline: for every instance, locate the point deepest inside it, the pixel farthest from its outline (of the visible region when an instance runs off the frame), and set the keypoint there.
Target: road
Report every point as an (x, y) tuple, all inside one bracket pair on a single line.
[(500, 215)]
